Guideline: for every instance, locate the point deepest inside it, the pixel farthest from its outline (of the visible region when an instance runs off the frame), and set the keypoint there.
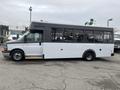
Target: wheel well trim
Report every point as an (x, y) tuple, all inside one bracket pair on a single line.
[(17, 49), (89, 50)]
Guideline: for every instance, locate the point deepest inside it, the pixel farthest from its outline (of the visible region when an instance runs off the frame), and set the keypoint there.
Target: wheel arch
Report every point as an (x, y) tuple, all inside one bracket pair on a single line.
[(17, 49), (90, 51)]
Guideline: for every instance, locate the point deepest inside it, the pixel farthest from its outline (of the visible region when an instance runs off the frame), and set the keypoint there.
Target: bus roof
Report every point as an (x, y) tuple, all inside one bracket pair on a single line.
[(42, 25)]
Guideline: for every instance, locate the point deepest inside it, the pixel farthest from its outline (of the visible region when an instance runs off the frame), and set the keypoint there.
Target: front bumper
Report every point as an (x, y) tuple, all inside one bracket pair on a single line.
[(6, 54)]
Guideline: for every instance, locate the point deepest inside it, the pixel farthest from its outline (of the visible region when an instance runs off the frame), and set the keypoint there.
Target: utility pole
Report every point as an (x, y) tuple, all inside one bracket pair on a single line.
[(30, 9)]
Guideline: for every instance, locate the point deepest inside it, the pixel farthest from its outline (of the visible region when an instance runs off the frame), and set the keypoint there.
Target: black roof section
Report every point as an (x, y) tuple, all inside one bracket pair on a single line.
[(42, 26)]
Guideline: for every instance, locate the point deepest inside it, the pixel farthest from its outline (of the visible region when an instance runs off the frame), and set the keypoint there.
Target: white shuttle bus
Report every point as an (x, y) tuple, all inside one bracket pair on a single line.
[(54, 41)]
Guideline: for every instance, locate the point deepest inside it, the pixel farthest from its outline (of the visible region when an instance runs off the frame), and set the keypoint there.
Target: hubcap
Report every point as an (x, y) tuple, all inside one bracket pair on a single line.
[(17, 56), (89, 57)]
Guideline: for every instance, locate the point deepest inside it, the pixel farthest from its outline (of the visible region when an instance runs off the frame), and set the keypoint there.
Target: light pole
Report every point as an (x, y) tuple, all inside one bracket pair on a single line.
[(109, 21), (30, 9)]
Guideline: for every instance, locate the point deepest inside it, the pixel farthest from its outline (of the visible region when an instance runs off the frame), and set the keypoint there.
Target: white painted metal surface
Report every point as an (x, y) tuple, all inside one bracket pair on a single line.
[(75, 50), (30, 49), (63, 50)]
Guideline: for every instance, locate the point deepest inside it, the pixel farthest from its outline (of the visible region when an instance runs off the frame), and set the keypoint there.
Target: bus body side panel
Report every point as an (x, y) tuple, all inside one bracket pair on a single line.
[(30, 49), (75, 50)]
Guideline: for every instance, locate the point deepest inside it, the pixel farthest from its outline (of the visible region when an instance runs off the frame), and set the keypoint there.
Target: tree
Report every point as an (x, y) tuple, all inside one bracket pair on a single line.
[(91, 22), (86, 23)]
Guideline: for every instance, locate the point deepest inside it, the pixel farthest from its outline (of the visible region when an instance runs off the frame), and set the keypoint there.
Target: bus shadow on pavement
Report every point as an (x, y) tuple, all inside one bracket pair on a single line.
[(44, 61), (103, 60)]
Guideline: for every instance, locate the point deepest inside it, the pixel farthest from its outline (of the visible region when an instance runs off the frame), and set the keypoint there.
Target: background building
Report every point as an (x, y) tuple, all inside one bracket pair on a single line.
[(16, 32), (4, 32)]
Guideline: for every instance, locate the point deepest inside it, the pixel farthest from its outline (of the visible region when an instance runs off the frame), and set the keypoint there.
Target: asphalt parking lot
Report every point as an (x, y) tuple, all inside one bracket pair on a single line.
[(101, 74)]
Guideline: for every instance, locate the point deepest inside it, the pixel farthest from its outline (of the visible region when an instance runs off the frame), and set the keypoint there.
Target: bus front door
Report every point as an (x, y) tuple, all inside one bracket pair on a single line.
[(33, 45)]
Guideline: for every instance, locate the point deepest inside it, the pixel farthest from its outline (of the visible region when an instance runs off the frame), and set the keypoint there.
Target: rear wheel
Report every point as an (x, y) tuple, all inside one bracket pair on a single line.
[(17, 55), (89, 56)]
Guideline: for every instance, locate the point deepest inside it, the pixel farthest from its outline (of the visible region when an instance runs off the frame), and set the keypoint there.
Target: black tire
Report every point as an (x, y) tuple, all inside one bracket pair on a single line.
[(17, 55), (89, 56)]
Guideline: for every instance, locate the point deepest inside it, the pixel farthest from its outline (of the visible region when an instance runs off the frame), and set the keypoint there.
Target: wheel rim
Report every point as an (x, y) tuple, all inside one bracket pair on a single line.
[(17, 56), (89, 57)]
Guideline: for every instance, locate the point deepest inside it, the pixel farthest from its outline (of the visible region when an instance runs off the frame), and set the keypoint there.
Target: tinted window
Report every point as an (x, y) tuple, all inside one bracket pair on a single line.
[(89, 36), (108, 37), (33, 37), (68, 35), (98, 35), (79, 35), (57, 34)]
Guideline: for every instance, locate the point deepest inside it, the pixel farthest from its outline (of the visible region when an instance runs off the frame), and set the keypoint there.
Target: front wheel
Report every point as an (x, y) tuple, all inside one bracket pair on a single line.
[(89, 56), (17, 55)]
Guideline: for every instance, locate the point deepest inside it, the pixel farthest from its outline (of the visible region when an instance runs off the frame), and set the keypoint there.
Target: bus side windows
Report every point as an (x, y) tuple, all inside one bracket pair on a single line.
[(108, 37), (62, 35), (57, 35), (89, 36), (68, 35), (99, 36), (79, 36)]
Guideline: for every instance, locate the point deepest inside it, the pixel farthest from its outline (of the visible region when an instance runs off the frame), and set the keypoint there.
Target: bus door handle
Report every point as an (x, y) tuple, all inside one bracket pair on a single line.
[(39, 43)]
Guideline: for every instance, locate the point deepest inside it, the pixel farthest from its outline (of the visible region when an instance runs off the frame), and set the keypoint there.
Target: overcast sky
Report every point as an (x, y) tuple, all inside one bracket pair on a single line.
[(16, 12)]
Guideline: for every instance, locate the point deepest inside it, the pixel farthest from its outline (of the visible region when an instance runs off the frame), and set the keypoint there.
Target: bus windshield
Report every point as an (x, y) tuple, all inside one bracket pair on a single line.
[(23, 35)]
